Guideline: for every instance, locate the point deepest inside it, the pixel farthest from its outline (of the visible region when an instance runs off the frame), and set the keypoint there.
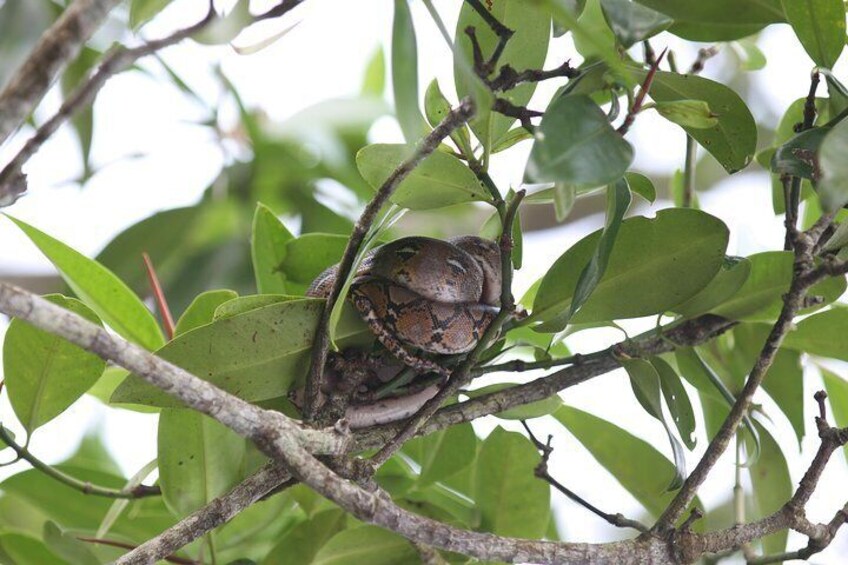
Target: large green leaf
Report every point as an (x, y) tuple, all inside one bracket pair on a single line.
[(760, 297), (307, 256), (443, 453), (833, 184), (100, 289), (733, 274), (632, 22), (268, 249), (366, 544), (733, 140), (512, 501), (440, 180), (717, 20), (301, 543), (575, 144), (66, 545), (655, 265), (405, 74), (820, 26), (44, 373), (677, 400), (199, 459), (615, 449), (772, 487), (822, 334), (526, 49), (20, 549), (201, 311), (256, 355)]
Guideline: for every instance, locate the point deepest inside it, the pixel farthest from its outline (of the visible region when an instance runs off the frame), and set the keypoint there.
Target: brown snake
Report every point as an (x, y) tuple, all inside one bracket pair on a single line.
[(425, 294)]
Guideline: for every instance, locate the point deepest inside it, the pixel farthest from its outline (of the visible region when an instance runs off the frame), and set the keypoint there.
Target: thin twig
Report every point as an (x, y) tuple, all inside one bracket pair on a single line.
[(541, 471), (140, 491), (522, 114), (503, 33), (159, 296), (508, 78), (320, 347), (640, 98)]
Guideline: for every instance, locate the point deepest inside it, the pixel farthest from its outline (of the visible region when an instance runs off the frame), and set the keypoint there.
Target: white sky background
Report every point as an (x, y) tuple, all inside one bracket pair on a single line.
[(324, 57)]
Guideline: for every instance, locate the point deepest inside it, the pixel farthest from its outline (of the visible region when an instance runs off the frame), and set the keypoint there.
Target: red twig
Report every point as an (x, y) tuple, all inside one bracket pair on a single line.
[(161, 303), (640, 98)]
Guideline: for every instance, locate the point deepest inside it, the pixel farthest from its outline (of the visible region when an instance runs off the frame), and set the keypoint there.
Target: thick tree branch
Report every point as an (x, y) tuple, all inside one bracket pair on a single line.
[(426, 146), (56, 47)]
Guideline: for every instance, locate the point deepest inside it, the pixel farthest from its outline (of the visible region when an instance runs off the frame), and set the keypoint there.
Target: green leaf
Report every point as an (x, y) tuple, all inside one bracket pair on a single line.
[(526, 49), (833, 186), (645, 382), (20, 549), (631, 22), (437, 108), (822, 334), (307, 256), (142, 11), (244, 304), (374, 82), (67, 546), (733, 274), (301, 543), (820, 27), (641, 185), (199, 459), (511, 500), (575, 144), (366, 544), (201, 311), (405, 74), (837, 393), (510, 138), (226, 28), (772, 487), (655, 265), (751, 58), (443, 453), (694, 114), (733, 140), (798, 155), (268, 249), (760, 297), (615, 449), (257, 355), (677, 400), (101, 290), (525, 412), (717, 20), (44, 373), (618, 201), (440, 180)]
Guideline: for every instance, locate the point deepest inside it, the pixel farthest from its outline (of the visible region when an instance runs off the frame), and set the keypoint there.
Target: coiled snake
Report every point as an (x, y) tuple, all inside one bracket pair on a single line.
[(424, 294)]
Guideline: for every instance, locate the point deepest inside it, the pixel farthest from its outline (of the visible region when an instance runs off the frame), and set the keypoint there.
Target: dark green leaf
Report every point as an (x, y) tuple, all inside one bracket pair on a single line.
[(244, 304), (526, 49), (717, 20), (440, 180), (307, 256), (301, 543), (202, 309), (100, 289), (405, 74), (366, 544), (733, 140), (798, 156), (822, 334), (646, 387), (44, 373), (641, 185), (760, 297), (820, 26), (677, 400), (615, 449), (631, 22), (268, 250), (256, 355), (512, 501), (199, 459), (733, 274), (655, 265), (575, 144), (443, 453)]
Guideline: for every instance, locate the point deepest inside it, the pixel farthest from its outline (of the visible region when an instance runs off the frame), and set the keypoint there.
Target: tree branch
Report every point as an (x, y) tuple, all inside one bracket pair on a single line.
[(320, 346), (58, 45)]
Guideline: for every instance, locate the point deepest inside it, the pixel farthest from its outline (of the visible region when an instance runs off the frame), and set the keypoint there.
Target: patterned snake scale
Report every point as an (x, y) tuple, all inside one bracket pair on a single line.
[(428, 294)]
